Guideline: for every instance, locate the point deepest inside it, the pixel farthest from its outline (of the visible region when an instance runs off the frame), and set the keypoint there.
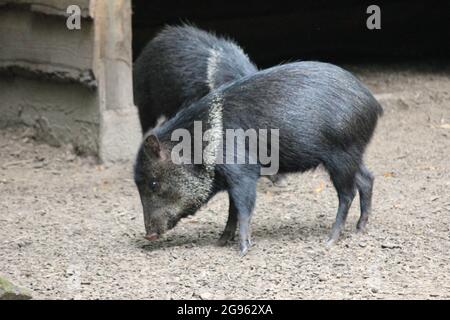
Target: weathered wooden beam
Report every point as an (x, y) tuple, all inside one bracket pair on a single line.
[(46, 48), (52, 7)]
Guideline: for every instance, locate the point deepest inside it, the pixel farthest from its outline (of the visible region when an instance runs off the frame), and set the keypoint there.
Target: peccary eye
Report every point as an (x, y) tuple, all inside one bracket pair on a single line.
[(153, 185)]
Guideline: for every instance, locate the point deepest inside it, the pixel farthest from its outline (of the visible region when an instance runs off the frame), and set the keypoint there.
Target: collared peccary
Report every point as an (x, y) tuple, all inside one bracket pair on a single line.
[(325, 116), (181, 65)]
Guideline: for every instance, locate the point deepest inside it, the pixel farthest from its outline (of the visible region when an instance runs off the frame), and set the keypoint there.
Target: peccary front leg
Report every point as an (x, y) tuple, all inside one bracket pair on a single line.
[(230, 228), (243, 196)]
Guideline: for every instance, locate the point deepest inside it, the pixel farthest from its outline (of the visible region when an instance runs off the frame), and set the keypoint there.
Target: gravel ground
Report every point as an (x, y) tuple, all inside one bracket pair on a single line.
[(72, 229)]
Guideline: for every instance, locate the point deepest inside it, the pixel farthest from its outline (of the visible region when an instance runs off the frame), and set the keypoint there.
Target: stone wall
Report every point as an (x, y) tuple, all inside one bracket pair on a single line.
[(74, 86)]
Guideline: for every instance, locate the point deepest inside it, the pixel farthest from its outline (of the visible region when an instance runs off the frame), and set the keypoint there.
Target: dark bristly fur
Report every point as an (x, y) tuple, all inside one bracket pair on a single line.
[(325, 116), (172, 70)]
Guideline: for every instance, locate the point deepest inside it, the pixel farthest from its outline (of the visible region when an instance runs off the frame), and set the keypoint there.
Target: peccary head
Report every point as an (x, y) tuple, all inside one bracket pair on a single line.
[(168, 191)]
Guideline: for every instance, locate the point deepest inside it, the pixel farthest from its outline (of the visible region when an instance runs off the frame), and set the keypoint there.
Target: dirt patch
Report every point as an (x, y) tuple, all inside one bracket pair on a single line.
[(72, 229)]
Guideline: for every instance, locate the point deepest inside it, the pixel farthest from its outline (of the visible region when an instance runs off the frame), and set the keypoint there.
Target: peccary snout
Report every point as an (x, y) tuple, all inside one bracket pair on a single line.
[(152, 236)]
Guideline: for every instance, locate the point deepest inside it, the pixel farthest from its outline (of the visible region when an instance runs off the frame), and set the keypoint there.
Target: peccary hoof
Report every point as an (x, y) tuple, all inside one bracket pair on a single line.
[(244, 247)]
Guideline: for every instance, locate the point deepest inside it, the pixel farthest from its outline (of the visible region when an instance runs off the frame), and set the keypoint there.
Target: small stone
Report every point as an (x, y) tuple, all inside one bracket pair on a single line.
[(204, 295), (323, 278), (391, 246)]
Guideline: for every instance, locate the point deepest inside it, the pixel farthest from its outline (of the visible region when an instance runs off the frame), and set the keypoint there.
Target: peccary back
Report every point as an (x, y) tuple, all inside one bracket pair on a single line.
[(181, 65)]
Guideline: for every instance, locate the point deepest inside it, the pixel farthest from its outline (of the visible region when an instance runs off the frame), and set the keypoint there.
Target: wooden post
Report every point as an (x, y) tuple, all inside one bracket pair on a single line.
[(119, 126)]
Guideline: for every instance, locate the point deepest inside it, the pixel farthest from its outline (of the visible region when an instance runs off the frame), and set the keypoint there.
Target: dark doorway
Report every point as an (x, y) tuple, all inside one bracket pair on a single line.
[(272, 32)]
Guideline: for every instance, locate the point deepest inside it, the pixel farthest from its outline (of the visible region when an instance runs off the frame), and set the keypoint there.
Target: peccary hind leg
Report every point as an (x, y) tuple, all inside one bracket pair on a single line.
[(364, 183), (243, 196), (230, 229), (343, 175)]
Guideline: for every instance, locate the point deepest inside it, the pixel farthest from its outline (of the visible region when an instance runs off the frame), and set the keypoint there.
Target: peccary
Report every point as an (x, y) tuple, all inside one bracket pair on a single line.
[(181, 65), (324, 114)]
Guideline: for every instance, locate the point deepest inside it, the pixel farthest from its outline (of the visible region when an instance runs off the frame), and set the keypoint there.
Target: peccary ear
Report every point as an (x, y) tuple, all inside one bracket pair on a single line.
[(152, 146)]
